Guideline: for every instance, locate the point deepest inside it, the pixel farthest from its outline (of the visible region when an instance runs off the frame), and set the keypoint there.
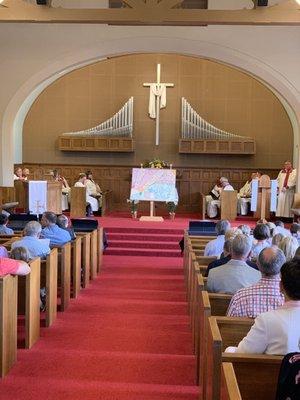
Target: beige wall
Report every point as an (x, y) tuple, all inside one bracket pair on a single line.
[(224, 96)]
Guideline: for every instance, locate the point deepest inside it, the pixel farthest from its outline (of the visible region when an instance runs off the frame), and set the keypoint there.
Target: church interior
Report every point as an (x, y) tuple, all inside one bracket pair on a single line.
[(149, 199)]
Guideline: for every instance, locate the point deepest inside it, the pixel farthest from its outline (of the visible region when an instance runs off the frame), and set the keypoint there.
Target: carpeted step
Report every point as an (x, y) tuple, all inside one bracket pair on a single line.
[(147, 231), (158, 369), (125, 252), (138, 339), (92, 389), (134, 269), (144, 237), (129, 244)]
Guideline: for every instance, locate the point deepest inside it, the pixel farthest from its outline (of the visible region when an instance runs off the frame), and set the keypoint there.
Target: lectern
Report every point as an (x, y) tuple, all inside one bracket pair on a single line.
[(53, 196), (263, 198), (78, 202), (229, 204)]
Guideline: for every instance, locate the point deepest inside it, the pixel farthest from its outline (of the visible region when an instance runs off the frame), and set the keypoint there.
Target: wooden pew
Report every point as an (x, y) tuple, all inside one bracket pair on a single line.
[(210, 304), (229, 386), (256, 374), (94, 254), (49, 273), (64, 274), (85, 257), (29, 302), (8, 322), (76, 247), (100, 249), (221, 332)]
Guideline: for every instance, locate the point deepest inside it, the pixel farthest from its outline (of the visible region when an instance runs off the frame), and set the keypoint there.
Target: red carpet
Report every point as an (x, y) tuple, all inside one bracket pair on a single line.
[(126, 337)]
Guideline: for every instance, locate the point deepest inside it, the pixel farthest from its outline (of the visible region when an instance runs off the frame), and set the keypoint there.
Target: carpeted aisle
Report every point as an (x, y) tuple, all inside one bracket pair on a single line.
[(125, 338)]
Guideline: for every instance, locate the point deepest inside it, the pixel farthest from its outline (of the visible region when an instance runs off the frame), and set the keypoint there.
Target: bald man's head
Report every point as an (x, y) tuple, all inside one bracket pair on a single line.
[(270, 261)]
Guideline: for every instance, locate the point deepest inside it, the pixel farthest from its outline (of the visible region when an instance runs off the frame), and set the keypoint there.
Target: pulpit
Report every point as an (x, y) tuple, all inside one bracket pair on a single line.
[(53, 196), (229, 204), (78, 202), (264, 194)]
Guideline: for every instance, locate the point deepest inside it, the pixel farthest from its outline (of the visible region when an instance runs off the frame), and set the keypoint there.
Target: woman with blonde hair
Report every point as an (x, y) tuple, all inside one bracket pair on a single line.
[(289, 246)]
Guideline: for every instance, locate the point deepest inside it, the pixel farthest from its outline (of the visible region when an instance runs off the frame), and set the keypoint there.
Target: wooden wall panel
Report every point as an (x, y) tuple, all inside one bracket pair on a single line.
[(190, 181), (224, 96)]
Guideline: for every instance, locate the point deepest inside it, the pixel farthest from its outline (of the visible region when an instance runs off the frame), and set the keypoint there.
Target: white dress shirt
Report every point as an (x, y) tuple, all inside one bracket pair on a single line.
[(275, 332)]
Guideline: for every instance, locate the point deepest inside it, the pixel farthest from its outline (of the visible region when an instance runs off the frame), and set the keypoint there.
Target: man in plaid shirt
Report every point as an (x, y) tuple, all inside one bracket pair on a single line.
[(265, 295)]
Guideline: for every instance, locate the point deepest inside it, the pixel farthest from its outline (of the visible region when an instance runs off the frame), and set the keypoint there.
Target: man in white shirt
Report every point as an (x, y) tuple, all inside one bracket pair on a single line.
[(236, 273), (215, 246), (277, 332), (286, 189), (214, 205)]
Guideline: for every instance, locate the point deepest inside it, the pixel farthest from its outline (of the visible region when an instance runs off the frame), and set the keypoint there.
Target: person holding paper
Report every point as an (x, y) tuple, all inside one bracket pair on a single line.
[(286, 189)]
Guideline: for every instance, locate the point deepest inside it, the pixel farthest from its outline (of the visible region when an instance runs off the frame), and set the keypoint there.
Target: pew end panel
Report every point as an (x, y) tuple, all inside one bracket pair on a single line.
[(256, 374), (100, 248), (8, 323), (29, 302), (76, 266), (64, 274), (229, 386), (94, 254), (49, 277)]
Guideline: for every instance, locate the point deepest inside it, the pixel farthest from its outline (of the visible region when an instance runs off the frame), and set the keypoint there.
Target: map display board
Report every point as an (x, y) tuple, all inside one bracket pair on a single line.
[(153, 184)]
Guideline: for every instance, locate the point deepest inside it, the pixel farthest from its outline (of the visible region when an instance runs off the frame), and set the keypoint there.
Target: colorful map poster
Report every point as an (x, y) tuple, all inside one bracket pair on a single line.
[(153, 184)]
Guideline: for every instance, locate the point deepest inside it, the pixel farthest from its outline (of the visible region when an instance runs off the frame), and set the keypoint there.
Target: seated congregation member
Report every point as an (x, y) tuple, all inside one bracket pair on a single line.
[(261, 234), (277, 332), (226, 255), (92, 202), (276, 239), (214, 205), (265, 295), (3, 252), (215, 246), (63, 223), (295, 231), (18, 175), (31, 240), (289, 246), (65, 188), (236, 274), (244, 195), (20, 253), (57, 236), (245, 230), (13, 267), (281, 229), (4, 230)]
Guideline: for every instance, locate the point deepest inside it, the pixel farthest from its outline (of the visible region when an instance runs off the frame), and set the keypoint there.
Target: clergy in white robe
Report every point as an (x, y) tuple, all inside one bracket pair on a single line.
[(93, 189), (214, 205), (244, 195), (91, 200), (286, 189)]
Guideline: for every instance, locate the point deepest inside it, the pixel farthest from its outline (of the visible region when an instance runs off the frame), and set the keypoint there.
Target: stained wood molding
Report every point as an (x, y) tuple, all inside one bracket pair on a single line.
[(151, 13)]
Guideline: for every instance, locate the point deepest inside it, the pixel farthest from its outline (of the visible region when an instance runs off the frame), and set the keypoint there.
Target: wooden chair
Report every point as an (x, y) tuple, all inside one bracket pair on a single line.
[(49, 273), (221, 332), (76, 248), (229, 386), (29, 302), (8, 323), (229, 204)]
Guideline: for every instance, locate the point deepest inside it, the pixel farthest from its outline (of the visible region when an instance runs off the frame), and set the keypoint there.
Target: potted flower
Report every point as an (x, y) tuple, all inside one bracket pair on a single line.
[(171, 207), (133, 207)]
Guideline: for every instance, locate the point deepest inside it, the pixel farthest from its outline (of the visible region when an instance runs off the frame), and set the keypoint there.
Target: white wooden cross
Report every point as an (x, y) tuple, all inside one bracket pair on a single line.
[(158, 92)]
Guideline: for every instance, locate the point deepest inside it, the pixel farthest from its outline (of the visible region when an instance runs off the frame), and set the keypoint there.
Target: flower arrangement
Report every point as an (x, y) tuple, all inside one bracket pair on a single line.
[(156, 163), (133, 207)]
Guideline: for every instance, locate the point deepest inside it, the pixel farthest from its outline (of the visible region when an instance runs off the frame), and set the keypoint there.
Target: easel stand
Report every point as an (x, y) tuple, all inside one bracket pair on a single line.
[(151, 217)]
